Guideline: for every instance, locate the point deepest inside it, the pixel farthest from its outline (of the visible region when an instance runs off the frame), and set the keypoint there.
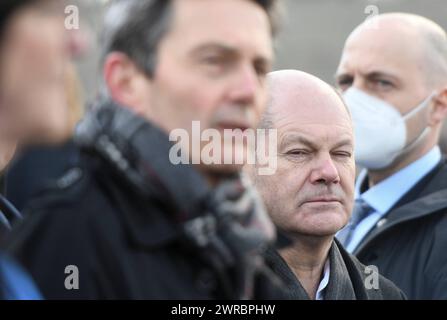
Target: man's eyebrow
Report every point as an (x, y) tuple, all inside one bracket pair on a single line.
[(371, 74), (340, 74), (344, 143), (380, 74), (295, 138), (215, 47), (229, 50)]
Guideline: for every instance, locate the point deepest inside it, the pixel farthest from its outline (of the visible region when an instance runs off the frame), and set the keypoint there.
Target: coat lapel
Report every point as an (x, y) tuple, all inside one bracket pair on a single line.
[(340, 286), (431, 196), (293, 288)]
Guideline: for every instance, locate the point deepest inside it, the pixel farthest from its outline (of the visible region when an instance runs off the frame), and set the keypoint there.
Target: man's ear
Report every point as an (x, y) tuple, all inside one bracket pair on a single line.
[(127, 85), (439, 112)]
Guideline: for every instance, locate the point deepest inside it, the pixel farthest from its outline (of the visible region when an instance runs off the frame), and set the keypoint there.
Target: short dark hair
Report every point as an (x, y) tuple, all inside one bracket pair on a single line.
[(136, 27)]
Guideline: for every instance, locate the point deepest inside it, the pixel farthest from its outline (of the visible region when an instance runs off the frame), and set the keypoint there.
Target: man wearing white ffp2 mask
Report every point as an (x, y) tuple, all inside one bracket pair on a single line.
[(380, 129), (393, 75)]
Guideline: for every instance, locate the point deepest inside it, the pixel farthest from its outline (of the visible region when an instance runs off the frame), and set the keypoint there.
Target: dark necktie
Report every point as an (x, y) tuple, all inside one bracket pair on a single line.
[(361, 210)]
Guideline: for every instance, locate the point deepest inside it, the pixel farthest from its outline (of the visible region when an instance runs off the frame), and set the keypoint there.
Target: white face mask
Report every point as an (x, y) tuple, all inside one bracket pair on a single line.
[(380, 129)]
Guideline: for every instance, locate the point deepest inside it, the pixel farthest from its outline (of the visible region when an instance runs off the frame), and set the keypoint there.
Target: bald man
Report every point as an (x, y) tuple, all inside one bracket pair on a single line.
[(310, 195), (393, 74)]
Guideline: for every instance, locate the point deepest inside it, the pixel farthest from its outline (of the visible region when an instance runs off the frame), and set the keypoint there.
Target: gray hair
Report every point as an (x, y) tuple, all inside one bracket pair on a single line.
[(135, 28)]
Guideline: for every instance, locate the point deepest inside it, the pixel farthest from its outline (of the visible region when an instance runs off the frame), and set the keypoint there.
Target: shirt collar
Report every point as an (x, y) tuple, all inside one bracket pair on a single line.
[(385, 194), (324, 282)]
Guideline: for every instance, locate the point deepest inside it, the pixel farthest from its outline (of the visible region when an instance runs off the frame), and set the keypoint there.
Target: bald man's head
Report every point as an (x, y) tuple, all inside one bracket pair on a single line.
[(289, 86), (400, 59), (409, 32)]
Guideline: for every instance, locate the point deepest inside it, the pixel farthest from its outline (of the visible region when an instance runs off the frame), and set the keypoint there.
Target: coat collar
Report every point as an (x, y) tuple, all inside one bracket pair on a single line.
[(417, 209), (130, 156), (340, 285), (292, 287), (431, 200)]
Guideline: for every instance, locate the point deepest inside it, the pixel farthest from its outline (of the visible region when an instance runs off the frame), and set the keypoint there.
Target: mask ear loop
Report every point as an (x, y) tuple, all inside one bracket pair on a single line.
[(421, 106), (424, 132)]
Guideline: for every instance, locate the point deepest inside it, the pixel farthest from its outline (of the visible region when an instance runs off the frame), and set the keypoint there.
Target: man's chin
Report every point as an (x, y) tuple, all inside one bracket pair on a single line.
[(318, 230), (323, 233)]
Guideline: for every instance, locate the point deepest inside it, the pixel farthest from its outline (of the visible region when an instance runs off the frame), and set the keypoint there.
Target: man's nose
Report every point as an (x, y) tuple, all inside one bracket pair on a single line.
[(245, 86), (325, 171)]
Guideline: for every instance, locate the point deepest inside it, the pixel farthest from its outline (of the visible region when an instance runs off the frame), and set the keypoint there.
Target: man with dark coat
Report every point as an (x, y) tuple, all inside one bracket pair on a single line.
[(310, 196), (128, 221), (393, 74)]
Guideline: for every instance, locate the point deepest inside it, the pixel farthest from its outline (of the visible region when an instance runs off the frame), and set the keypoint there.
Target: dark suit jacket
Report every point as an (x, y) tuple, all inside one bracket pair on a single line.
[(409, 245)]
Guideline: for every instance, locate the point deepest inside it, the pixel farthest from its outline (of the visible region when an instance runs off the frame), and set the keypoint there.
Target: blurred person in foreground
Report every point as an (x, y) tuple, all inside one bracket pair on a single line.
[(32, 64), (52, 91), (311, 194), (126, 221), (32, 67), (39, 165), (393, 75)]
